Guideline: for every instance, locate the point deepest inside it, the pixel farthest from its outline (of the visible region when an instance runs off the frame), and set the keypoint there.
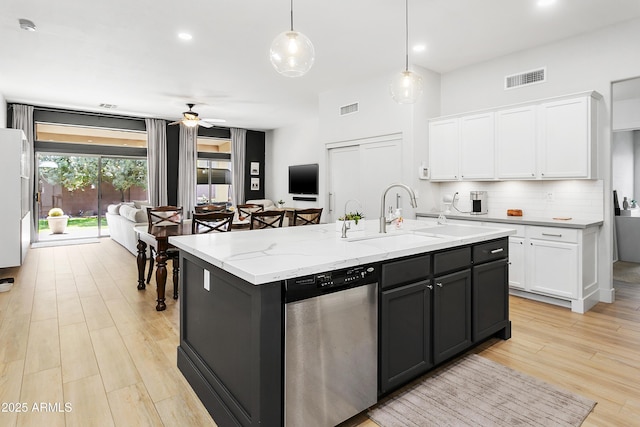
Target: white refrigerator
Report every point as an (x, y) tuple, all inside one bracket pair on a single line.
[(15, 193)]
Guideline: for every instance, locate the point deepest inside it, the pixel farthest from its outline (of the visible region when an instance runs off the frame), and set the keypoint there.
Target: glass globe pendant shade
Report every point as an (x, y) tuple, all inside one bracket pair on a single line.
[(292, 54), (406, 87)]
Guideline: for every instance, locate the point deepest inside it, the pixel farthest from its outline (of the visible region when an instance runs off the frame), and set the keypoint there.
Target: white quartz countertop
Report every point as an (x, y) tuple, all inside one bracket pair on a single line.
[(263, 256), (524, 220)]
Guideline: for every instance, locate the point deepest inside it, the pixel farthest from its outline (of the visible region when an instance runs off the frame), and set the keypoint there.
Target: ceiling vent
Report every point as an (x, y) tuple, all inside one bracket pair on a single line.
[(349, 109), (108, 106), (526, 78)]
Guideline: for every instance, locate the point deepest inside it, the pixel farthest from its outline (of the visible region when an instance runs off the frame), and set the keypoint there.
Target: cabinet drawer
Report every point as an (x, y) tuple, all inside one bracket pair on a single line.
[(455, 259), (491, 250), (553, 233), (405, 271)]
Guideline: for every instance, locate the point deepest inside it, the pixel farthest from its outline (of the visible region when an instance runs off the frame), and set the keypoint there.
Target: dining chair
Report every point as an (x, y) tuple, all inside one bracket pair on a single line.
[(306, 216), (210, 208), (206, 222), (247, 209), (266, 219), (165, 216)]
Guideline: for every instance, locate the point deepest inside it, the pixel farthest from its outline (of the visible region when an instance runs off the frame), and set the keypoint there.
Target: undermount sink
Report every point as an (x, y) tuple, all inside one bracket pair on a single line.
[(394, 239), (451, 230)]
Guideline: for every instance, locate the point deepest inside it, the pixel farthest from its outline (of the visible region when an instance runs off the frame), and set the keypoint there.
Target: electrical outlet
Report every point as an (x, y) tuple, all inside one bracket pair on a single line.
[(207, 283), (550, 196)]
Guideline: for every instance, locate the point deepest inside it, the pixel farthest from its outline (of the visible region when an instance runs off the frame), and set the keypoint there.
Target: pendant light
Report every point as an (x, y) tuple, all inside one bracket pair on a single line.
[(406, 86), (292, 53)]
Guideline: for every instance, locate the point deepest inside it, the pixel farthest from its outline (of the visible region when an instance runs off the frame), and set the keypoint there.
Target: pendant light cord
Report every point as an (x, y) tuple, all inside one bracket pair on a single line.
[(291, 15), (406, 26)]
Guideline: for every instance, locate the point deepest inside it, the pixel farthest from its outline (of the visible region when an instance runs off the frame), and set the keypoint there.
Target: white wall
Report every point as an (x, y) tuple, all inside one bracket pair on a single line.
[(3, 112), (622, 165), (627, 114), (379, 115), (590, 61), (292, 145)]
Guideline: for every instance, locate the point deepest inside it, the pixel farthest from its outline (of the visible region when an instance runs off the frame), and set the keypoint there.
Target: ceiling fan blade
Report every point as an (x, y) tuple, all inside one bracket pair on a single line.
[(175, 123), (205, 124)]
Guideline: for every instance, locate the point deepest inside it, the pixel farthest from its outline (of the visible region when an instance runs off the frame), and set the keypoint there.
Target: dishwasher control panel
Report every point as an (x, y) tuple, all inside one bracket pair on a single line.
[(331, 281)]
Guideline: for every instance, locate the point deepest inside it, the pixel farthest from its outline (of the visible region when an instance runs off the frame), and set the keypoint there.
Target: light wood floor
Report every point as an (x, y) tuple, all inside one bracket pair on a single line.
[(74, 329)]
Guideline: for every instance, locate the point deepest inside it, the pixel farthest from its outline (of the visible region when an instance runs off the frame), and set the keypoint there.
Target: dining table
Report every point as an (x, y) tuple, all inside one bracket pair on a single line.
[(158, 238)]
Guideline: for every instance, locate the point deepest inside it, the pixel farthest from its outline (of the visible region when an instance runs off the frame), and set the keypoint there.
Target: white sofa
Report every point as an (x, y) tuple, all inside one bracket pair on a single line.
[(121, 218)]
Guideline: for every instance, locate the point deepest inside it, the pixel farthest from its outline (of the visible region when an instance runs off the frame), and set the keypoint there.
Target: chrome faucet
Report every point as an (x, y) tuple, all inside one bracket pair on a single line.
[(412, 195), (345, 227)]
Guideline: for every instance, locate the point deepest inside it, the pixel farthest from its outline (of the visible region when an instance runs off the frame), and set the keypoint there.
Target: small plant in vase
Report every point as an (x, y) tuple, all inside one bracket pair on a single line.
[(281, 203), (355, 221), (57, 221)]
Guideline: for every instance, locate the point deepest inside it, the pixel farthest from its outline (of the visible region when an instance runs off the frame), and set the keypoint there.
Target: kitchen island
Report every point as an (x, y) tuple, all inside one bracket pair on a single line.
[(234, 307)]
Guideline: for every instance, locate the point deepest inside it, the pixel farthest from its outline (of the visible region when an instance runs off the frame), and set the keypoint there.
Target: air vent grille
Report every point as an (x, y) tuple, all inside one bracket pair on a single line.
[(526, 78), (349, 109), (109, 106)]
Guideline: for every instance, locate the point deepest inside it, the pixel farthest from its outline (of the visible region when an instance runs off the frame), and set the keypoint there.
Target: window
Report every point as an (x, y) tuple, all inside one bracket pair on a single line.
[(214, 181)]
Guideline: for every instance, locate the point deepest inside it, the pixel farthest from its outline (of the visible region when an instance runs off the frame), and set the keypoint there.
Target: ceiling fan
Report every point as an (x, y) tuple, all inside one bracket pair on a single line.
[(190, 118)]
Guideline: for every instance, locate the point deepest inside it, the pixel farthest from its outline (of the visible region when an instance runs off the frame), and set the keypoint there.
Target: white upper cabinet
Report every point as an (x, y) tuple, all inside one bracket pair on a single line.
[(444, 151), (567, 139), (516, 143), (548, 139), (477, 140)]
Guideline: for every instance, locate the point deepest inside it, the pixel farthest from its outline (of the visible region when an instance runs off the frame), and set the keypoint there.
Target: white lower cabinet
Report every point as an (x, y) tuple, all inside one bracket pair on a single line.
[(553, 264), (516, 262), (553, 268)]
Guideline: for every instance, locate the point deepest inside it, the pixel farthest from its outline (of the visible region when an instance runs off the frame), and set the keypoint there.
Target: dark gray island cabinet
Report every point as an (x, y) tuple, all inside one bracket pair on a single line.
[(435, 306), (434, 301)]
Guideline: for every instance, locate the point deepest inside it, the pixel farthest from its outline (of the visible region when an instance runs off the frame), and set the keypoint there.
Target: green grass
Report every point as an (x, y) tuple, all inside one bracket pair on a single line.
[(90, 221)]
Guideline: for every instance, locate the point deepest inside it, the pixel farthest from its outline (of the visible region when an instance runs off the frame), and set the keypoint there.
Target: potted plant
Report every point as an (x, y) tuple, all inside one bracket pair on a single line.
[(57, 221), (355, 221), (281, 203)]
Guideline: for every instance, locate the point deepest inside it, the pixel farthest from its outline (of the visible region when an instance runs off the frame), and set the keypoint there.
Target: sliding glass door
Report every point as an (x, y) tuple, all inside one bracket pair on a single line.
[(82, 187)]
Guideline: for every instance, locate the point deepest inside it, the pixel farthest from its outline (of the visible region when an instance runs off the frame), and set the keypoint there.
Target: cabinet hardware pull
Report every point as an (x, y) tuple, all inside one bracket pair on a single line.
[(552, 234), (438, 284), (495, 251), (430, 286)]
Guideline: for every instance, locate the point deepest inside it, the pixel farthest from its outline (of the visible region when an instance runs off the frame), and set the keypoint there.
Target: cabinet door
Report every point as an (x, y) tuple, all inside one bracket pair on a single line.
[(451, 315), (490, 298), (516, 143), (553, 268), (405, 334), (443, 149), (565, 140), (477, 146), (516, 263)]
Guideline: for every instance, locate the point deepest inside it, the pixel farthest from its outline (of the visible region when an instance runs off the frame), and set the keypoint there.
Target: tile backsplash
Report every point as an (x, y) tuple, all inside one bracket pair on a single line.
[(582, 199)]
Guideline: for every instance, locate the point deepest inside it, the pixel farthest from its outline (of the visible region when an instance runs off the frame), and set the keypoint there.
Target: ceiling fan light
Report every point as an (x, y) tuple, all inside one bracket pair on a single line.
[(191, 123), (406, 87), (292, 54)]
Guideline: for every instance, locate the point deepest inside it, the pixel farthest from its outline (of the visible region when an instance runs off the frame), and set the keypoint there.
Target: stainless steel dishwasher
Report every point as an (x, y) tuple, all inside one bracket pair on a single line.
[(331, 346)]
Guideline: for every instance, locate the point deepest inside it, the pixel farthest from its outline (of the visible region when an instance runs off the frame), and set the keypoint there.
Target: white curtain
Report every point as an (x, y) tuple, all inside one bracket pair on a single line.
[(23, 119), (157, 162), (187, 169), (238, 154)]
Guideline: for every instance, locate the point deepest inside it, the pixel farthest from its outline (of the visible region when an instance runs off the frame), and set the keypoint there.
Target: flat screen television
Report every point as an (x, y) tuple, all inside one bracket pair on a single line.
[(303, 179)]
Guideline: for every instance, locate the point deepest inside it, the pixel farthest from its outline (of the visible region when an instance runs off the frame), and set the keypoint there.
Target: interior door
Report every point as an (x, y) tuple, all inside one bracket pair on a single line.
[(344, 180), (362, 172), (381, 165)]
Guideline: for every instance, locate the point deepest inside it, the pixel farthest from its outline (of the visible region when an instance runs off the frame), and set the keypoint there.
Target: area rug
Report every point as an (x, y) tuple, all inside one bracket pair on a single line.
[(475, 391)]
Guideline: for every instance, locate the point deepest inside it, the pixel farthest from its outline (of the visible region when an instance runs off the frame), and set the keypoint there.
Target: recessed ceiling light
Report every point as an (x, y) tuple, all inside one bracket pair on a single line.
[(185, 36), (419, 48), (27, 25), (545, 3)]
